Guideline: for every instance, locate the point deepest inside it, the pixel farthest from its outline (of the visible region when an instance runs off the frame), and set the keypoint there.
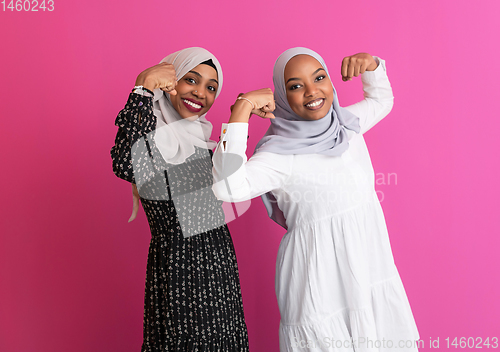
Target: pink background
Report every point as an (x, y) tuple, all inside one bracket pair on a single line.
[(72, 269)]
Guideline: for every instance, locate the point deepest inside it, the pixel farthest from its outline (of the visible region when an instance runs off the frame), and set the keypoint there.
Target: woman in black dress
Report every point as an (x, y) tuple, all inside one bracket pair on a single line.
[(193, 297)]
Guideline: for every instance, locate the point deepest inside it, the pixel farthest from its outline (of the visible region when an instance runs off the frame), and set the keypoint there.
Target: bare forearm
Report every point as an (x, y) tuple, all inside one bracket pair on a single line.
[(145, 81), (241, 111)]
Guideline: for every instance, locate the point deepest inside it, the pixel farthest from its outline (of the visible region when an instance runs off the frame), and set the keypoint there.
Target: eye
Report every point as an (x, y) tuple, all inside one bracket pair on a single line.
[(212, 88), (190, 80), (295, 86), (320, 78)]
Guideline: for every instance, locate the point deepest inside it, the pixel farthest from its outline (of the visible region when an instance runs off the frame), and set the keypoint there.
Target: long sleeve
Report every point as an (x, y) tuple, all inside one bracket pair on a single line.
[(136, 124), (235, 178), (378, 100)]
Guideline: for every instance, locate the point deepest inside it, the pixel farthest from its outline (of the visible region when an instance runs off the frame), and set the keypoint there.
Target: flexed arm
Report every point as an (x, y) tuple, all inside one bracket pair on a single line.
[(379, 99), (235, 178), (137, 122)]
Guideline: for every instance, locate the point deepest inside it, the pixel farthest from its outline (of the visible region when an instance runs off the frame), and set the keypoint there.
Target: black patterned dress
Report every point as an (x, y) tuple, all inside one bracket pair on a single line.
[(193, 297)]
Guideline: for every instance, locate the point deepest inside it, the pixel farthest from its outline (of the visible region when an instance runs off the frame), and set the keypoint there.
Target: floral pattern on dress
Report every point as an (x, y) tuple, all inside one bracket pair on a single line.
[(193, 297)]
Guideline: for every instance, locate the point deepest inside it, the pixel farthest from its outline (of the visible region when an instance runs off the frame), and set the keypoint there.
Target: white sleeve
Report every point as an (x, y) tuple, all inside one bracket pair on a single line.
[(235, 178), (378, 100)]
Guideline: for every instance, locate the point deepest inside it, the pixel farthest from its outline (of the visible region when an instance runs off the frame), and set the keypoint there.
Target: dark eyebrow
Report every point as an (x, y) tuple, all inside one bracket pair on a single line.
[(197, 74), (297, 79)]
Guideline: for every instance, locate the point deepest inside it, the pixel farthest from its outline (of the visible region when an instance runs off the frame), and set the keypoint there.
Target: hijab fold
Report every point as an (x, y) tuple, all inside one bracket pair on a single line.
[(176, 137), (291, 134)]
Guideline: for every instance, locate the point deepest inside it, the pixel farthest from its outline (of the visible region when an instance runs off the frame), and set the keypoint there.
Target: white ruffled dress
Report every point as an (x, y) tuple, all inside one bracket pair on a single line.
[(337, 286)]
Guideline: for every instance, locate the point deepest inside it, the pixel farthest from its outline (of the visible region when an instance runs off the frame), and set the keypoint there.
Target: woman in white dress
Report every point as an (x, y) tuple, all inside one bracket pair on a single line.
[(337, 286)]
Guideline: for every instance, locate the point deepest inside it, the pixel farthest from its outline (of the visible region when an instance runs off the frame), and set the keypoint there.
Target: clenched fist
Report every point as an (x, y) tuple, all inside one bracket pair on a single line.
[(353, 66), (158, 76)]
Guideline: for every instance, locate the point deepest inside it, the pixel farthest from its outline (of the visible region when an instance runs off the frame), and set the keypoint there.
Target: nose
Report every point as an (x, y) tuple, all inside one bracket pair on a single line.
[(310, 90), (199, 92)]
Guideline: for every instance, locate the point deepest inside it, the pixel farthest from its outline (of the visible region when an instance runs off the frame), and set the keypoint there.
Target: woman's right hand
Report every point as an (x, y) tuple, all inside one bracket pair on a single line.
[(259, 102), (158, 76), (263, 100)]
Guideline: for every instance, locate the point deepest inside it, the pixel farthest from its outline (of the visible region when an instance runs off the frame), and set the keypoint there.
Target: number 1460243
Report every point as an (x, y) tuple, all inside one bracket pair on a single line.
[(28, 5)]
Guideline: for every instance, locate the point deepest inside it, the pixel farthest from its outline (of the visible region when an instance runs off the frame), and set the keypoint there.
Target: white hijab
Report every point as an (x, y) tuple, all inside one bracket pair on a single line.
[(176, 137)]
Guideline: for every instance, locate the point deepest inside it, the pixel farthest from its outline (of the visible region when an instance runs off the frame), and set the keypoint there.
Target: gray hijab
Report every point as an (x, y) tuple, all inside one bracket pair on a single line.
[(291, 134), (175, 137)]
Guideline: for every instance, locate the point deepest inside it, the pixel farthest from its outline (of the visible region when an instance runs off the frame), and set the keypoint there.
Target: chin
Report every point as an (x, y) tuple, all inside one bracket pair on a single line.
[(314, 117), (192, 117)]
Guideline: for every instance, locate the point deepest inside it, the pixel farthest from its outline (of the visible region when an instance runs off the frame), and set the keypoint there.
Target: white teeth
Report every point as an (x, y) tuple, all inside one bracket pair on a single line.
[(196, 106), (315, 104)]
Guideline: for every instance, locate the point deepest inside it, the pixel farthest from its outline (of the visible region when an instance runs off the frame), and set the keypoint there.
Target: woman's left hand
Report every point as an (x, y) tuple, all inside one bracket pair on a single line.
[(354, 65), (135, 203)]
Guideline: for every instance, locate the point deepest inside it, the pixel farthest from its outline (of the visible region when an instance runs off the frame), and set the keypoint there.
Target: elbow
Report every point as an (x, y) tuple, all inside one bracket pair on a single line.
[(389, 105), (221, 191), (226, 191), (385, 107), (391, 101)]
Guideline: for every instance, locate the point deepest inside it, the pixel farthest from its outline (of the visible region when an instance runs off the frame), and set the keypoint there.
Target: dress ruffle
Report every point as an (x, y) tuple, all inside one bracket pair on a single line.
[(382, 327), (338, 287)]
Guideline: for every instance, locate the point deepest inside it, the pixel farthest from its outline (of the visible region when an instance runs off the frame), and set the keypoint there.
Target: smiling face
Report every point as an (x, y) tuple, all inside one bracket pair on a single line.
[(309, 90), (195, 92)]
